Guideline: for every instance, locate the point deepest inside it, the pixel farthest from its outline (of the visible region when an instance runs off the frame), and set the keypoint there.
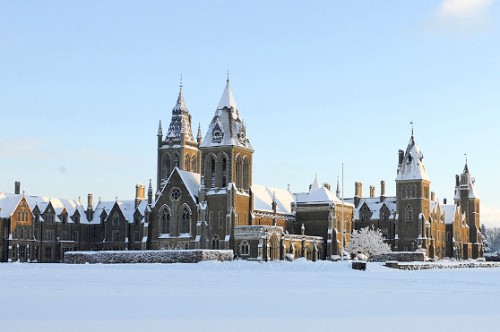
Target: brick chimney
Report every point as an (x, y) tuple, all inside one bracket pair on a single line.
[(17, 188)]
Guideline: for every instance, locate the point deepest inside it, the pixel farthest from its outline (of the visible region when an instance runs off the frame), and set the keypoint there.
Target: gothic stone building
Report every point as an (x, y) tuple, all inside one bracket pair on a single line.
[(415, 220), (42, 229), (206, 198)]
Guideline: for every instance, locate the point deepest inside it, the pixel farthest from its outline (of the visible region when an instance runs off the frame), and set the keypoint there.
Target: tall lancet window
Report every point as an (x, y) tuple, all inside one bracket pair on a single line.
[(239, 173), (165, 221), (176, 160), (212, 173), (194, 165), (187, 163), (185, 220), (224, 173), (167, 167), (246, 174)]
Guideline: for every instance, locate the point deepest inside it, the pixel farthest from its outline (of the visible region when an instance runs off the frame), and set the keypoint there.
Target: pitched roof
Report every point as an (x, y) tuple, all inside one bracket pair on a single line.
[(227, 128), (412, 167), (180, 121), (264, 195)]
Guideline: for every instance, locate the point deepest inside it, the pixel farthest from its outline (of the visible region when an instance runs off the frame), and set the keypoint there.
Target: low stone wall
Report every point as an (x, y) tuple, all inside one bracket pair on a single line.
[(430, 266), (400, 256), (148, 256)]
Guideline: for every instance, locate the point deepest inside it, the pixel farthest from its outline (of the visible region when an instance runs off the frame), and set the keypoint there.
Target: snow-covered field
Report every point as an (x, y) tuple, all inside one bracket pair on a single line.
[(246, 296)]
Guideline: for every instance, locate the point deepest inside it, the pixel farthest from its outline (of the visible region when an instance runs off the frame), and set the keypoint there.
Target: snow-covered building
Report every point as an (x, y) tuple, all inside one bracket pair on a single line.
[(42, 229), (415, 220), (215, 205), (205, 199)]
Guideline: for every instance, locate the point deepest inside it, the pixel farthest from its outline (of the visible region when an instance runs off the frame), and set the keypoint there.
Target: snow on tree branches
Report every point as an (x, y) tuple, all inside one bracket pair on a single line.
[(367, 242)]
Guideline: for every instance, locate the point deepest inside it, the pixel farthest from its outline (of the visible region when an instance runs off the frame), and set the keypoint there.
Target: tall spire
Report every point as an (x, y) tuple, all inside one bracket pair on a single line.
[(181, 120), (199, 137), (411, 166), (227, 99), (227, 128), (160, 132)]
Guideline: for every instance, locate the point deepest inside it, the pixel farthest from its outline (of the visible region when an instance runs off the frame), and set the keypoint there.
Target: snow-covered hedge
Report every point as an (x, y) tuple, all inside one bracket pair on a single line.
[(148, 256)]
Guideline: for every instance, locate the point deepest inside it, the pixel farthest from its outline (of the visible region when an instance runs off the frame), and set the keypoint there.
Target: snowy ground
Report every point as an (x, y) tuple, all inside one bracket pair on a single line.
[(246, 296)]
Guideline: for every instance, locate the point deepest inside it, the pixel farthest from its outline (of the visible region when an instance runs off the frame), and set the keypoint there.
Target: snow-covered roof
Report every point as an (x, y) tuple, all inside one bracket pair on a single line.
[(9, 202), (448, 210), (227, 128), (192, 181), (467, 181), (412, 167), (318, 194), (181, 121), (263, 199), (375, 205)]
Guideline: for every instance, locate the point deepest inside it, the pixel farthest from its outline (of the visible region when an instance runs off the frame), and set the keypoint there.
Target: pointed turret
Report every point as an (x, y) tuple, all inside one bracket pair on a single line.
[(198, 136), (467, 198), (412, 199), (160, 131), (178, 149), (181, 121), (227, 128), (150, 193), (411, 165)]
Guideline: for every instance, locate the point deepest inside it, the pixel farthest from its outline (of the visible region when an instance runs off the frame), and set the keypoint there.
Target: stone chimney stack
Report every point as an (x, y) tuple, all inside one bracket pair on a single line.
[(372, 191), (140, 194), (445, 201), (90, 204), (327, 186), (433, 196), (17, 188), (382, 191), (358, 192), (401, 157)]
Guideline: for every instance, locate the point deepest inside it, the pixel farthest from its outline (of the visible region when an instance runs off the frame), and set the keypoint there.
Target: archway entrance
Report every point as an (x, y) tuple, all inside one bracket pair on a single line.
[(274, 248)]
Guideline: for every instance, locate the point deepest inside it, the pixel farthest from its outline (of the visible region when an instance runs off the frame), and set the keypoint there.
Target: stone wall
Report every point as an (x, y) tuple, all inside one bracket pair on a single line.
[(401, 256), (148, 256)]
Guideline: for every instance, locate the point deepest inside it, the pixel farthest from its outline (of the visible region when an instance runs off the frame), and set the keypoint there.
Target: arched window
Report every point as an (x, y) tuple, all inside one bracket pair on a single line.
[(167, 166), (185, 220), (165, 221), (246, 174), (176, 160), (187, 163), (239, 173), (224, 173), (194, 165), (215, 242), (212, 173), (244, 248), (409, 213)]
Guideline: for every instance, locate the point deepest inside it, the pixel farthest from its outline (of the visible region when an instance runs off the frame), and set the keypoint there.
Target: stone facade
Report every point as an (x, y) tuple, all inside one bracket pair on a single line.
[(206, 199)]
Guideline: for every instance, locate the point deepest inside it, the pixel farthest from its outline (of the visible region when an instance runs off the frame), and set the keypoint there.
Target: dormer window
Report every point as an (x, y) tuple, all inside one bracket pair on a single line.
[(217, 134)]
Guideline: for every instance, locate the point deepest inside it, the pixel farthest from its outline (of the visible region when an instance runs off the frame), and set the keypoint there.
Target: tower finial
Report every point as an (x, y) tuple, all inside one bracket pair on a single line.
[(160, 133), (227, 79), (411, 123), (465, 154), (180, 84)]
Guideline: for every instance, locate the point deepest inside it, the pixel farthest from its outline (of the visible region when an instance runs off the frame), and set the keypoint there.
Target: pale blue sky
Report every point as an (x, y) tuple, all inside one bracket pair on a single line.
[(84, 83)]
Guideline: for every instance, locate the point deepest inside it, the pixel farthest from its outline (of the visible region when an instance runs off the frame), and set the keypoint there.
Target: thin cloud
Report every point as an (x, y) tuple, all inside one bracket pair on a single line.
[(464, 17), (464, 9)]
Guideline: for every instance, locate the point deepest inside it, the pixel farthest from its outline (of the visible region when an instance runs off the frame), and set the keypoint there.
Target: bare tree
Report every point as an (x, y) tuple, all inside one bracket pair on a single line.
[(367, 242)]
